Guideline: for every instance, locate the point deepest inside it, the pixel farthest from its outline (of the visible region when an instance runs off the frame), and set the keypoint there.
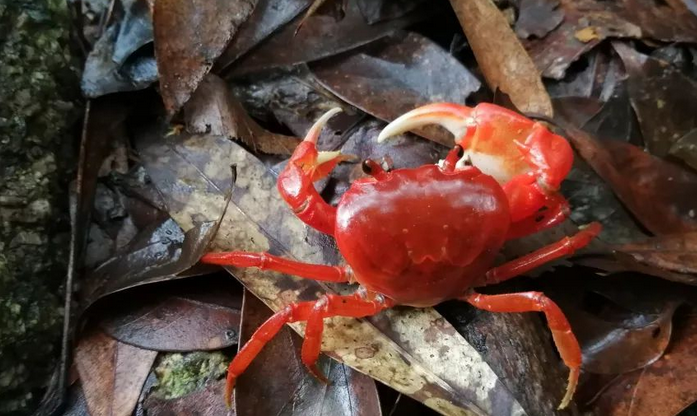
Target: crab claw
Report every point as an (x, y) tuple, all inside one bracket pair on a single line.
[(305, 166), (453, 117)]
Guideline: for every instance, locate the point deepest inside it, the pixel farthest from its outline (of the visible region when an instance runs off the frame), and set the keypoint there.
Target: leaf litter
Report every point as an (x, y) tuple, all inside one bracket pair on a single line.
[(624, 105)]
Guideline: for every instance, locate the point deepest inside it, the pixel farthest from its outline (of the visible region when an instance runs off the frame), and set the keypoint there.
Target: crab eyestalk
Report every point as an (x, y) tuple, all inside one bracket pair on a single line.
[(453, 117)]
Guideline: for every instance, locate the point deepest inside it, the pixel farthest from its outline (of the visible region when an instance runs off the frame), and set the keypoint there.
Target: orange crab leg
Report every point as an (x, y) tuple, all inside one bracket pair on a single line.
[(266, 261), (563, 247), (314, 312), (305, 166), (564, 339), (555, 212)]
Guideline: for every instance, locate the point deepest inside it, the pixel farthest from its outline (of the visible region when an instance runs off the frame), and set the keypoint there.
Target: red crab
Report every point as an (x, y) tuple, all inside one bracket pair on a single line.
[(422, 236)]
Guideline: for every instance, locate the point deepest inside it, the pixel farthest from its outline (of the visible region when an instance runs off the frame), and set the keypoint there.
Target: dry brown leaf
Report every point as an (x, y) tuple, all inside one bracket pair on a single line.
[(189, 37), (213, 110), (674, 252), (112, 373), (664, 388), (501, 57)]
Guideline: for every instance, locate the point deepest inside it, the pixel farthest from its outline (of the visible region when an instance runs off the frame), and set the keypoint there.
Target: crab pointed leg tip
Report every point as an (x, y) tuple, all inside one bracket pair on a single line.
[(570, 388)]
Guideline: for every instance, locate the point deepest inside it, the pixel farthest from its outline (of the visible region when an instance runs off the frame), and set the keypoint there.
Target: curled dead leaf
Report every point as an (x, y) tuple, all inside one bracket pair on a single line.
[(501, 57), (213, 110)]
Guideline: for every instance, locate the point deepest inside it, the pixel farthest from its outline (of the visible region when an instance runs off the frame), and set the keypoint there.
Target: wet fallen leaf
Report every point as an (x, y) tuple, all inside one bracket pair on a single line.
[(662, 389), (206, 402), (119, 61), (112, 373), (321, 36), (674, 252), (158, 253), (297, 100), (196, 191), (638, 177), (502, 59), (267, 17), (213, 110), (662, 97), (537, 18), (554, 53), (189, 37), (397, 74), (179, 316), (614, 340), (260, 390)]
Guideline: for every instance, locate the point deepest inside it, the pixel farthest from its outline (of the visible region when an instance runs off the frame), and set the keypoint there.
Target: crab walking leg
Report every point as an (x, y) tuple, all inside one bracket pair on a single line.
[(564, 339), (305, 166), (314, 312), (557, 209), (332, 305), (266, 261), (563, 247)]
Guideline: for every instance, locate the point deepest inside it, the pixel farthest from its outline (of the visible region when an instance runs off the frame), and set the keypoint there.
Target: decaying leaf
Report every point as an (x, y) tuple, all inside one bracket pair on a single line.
[(213, 110), (158, 253), (662, 97), (664, 388), (392, 76), (179, 316), (189, 37), (502, 59), (194, 181), (538, 18), (321, 36), (296, 100), (277, 382), (206, 402), (112, 373), (267, 17), (555, 52), (675, 252), (119, 62), (638, 177)]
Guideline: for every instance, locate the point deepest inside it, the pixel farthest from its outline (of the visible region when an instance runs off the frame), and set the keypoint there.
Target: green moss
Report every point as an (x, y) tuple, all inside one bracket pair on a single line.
[(37, 111), (180, 374)]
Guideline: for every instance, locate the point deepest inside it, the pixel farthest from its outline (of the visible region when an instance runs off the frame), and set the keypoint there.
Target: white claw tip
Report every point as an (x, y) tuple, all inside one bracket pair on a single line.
[(316, 128)]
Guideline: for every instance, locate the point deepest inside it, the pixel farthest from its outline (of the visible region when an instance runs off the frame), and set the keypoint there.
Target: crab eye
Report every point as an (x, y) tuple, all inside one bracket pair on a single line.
[(460, 151), (367, 166)]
